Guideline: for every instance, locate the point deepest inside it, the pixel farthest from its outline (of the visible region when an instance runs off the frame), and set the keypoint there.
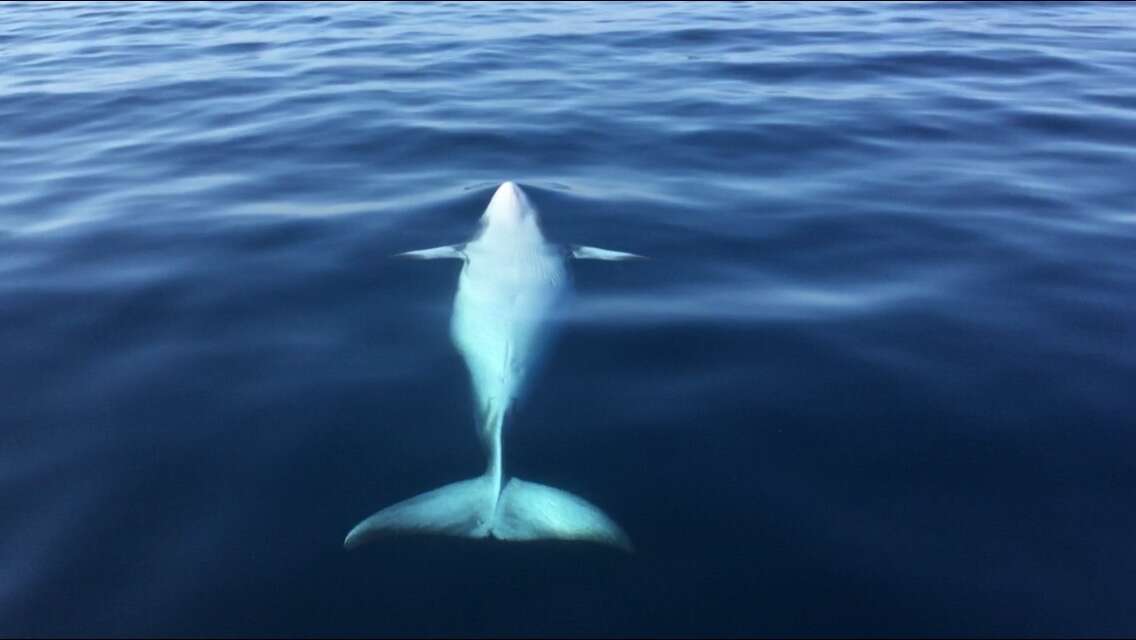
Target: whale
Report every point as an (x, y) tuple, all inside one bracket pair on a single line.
[(511, 283)]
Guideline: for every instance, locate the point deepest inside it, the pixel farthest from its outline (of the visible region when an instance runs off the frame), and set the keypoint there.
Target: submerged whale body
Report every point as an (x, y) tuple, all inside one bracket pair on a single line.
[(510, 283)]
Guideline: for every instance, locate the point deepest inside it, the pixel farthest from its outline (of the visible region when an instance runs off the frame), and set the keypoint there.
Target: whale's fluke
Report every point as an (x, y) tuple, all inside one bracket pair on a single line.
[(531, 511), (472, 509), (463, 509), (581, 252)]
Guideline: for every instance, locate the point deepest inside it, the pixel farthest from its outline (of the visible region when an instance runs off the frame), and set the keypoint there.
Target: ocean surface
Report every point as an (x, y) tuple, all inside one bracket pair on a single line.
[(878, 376)]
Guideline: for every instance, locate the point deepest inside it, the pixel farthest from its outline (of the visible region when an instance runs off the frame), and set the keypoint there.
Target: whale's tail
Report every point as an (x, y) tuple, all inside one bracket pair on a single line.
[(475, 509)]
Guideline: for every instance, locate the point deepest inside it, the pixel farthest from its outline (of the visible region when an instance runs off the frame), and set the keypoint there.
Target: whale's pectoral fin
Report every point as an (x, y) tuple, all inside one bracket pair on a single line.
[(463, 509), (449, 251), (531, 511), (581, 252)]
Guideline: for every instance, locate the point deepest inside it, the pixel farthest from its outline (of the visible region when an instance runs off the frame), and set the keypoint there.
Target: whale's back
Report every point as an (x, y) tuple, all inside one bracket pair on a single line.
[(502, 313)]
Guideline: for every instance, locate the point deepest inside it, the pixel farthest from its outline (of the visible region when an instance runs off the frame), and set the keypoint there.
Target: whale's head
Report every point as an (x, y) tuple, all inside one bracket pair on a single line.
[(509, 208)]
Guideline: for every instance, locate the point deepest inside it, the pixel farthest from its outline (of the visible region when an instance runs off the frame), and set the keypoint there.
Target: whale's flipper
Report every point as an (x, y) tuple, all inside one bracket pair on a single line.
[(531, 511), (463, 509), (448, 251), (581, 252)]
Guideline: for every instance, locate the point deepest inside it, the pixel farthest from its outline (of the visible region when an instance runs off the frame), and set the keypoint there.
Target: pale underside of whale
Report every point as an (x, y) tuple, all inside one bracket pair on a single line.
[(510, 284)]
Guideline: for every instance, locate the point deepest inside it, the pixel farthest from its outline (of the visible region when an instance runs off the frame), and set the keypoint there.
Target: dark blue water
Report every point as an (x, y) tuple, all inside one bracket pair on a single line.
[(878, 377)]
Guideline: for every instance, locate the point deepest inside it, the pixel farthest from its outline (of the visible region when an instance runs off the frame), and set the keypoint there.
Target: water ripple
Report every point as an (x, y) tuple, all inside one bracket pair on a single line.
[(873, 380)]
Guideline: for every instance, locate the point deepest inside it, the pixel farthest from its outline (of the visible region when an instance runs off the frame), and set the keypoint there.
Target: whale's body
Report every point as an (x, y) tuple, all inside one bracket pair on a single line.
[(510, 284)]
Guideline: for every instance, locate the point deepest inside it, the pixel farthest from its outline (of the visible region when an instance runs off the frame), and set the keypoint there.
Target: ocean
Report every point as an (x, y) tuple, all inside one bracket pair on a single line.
[(876, 377)]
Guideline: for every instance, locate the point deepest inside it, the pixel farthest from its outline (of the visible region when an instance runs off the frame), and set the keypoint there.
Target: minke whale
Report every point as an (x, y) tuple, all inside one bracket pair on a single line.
[(510, 284)]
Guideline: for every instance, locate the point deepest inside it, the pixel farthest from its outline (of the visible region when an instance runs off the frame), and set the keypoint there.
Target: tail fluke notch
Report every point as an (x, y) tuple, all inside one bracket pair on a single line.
[(472, 509)]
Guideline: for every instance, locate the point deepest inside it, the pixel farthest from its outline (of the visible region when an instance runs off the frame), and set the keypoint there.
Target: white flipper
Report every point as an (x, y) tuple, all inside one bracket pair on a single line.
[(448, 251), (463, 509), (531, 511), (581, 252)]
